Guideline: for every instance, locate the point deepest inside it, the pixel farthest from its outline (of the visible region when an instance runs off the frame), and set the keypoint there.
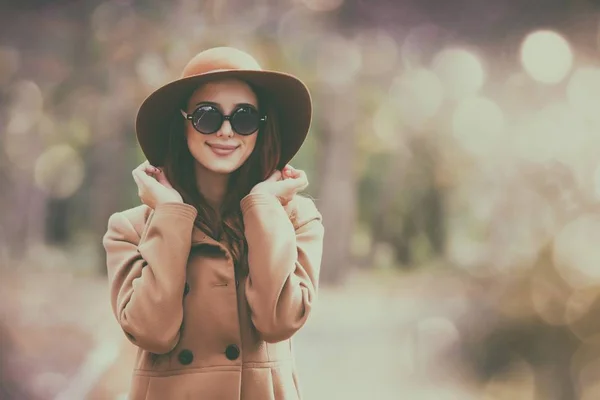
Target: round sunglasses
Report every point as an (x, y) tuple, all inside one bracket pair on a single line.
[(208, 119)]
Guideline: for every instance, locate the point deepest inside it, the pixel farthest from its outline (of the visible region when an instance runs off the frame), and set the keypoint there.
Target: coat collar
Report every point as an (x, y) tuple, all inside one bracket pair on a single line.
[(199, 237)]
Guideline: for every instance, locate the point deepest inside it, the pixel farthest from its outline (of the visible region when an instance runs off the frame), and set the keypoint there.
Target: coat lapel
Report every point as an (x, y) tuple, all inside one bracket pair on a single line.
[(200, 238)]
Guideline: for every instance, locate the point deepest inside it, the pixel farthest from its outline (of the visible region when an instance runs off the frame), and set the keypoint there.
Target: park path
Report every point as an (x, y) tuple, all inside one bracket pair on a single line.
[(364, 340)]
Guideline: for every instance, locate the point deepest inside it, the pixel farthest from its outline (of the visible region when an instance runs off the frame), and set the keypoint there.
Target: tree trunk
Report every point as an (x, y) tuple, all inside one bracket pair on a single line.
[(337, 192)]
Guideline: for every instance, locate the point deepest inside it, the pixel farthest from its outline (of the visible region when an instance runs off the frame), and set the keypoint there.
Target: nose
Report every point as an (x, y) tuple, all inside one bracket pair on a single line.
[(226, 130)]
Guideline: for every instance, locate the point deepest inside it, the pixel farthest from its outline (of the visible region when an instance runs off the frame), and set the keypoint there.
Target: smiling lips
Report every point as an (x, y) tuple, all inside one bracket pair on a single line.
[(222, 149)]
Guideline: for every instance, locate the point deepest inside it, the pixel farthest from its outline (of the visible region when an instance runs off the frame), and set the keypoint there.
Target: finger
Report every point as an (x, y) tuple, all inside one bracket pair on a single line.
[(135, 173), (140, 185), (162, 179), (300, 174), (300, 178), (275, 176), (149, 169), (143, 178), (292, 185), (142, 166), (292, 172), (290, 169), (135, 178), (139, 180), (289, 172)]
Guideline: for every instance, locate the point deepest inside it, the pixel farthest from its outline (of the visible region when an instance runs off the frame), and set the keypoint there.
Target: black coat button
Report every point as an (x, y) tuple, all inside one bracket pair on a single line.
[(185, 357), (186, 289), (232, 352)]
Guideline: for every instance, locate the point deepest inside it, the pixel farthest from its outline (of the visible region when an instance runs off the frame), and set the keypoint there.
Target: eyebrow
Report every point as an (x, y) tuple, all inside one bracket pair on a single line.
[(212, 103)]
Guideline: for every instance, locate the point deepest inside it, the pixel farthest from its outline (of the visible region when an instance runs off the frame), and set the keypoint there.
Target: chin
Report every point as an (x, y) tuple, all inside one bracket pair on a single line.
[(223, 170), (223, 167)]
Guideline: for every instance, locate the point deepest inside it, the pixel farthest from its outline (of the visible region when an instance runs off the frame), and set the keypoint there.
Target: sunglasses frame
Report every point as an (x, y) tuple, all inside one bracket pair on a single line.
[(190, 117)]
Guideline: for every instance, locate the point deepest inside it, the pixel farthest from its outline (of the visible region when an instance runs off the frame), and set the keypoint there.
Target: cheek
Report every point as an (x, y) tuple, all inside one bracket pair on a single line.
[(195, 141), (190, 134), (250, 143)]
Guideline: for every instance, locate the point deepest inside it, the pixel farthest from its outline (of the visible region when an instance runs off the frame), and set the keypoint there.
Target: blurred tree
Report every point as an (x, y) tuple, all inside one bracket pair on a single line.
[(402, 203), (337, 182)]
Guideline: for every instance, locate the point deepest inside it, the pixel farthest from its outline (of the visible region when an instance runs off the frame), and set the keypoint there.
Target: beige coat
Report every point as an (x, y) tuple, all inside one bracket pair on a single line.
[(202, 333)]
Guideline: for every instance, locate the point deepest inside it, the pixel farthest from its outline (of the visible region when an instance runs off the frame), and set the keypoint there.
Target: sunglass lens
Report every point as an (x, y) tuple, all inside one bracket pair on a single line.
[(245, 120), (207, 119)]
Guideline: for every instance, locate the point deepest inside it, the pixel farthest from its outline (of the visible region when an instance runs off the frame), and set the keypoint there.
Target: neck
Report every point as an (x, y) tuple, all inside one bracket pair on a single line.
[(212, 185)]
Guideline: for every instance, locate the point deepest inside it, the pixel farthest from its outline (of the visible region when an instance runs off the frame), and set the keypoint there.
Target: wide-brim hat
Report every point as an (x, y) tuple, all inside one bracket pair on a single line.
[(288, 95)]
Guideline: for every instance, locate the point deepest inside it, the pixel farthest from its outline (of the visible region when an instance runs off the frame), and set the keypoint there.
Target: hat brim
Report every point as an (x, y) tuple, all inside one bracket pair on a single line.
[(289, 96)]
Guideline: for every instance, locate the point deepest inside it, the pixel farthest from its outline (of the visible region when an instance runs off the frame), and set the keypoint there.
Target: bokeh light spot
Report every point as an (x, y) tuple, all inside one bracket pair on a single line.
[(338, 62), (387, 128), (152, 70), (555, 132), (546, 56), (576, 253), (418, 94), (25, 107), (580, 303), (460, 71), (59, 171), (420, 44), (299, 35), (583, 92), (478, 125), (379, 52)]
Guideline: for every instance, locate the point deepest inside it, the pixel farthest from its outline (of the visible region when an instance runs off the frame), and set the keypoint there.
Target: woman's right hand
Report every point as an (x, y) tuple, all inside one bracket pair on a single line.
[(153, 187)]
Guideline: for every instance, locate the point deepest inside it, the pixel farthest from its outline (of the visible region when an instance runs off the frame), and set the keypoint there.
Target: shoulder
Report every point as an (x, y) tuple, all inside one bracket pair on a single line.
[(130, 221), (302, 209)]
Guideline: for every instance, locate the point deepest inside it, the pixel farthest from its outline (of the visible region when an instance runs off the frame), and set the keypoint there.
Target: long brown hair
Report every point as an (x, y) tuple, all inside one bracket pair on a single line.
[(226, 223)]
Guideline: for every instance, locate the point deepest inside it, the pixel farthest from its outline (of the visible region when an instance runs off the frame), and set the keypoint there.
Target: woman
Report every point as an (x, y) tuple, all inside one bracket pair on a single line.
[(216, 271)]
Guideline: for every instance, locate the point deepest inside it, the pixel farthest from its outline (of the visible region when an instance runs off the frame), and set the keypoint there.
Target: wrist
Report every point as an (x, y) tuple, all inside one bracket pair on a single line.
[(176, 209), (168, 201), (259, 198)]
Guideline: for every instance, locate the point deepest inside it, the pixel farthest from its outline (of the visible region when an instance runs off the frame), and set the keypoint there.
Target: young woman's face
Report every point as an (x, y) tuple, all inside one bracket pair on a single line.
[(223, 151)]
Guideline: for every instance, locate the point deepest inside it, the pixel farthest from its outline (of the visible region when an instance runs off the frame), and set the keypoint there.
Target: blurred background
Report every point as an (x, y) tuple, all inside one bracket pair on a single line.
[(452, 153)]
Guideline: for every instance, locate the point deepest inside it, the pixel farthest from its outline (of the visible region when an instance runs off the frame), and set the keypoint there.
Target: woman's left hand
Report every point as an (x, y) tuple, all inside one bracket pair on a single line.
[(283, 184)]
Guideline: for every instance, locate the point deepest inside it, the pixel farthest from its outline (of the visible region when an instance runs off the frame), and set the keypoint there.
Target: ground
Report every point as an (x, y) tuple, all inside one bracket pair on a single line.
[(363, 341)]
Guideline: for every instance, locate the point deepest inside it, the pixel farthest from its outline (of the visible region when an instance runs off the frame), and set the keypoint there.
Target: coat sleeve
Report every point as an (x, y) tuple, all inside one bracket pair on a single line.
[(284, 262), (147, 274)]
